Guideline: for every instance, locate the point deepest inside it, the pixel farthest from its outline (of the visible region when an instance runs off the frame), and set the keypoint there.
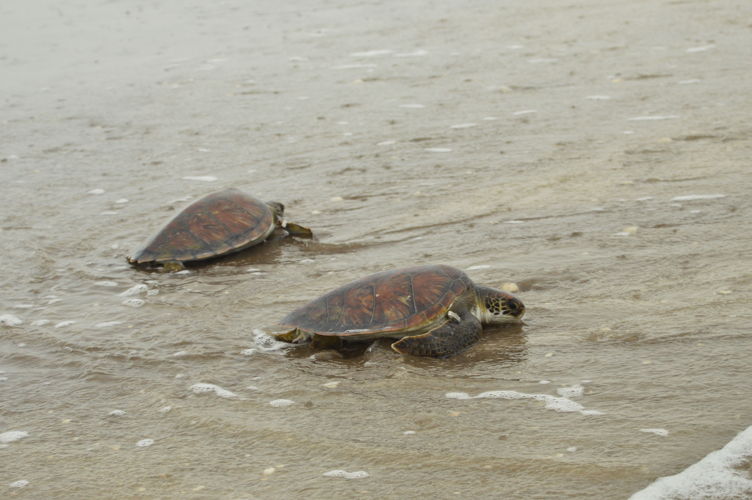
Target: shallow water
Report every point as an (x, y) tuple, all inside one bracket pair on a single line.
[(595, 154)]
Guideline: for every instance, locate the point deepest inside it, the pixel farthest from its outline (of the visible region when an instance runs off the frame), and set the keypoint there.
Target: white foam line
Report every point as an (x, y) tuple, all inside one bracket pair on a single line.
[(359, 474), (692, 50), (281, 403), (539, 60), (712, 477), (108, 324), (372, 53), (10, 436), (415, 53), (551, 402), (106, 283), (652, 118), (355, 66), (656, 431), (691, 197), (201, 178)]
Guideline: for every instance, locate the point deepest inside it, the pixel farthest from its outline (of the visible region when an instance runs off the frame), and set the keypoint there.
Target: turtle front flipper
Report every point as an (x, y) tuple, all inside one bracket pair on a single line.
[(446, 340), (297, 230), (286, 334)]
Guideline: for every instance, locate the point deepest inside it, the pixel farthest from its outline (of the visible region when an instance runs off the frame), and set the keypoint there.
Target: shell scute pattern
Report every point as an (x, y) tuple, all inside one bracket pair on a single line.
[(247, 221), (209, 231), (358, 307), (175, 236), (394, 301)]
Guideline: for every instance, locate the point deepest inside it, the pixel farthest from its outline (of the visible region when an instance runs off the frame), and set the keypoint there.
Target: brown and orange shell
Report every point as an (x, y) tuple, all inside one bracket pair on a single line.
[(220, 223), (388, 302)]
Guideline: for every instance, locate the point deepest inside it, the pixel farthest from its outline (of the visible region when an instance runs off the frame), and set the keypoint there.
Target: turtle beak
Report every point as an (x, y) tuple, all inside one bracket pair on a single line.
[(515, 308)]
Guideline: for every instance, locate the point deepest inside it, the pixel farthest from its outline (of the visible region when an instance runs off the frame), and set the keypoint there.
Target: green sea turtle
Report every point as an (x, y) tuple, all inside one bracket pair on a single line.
[(218, 224), (433, 310)]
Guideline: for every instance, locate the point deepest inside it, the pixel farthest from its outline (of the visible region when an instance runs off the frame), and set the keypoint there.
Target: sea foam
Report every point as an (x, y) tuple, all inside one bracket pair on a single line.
[(693, 197), (715, 476), (281, 403), (656, 431), (219, 391), (10, 436), (347, 475), (108, 324), (10, 320), (135, 290), (652, 118), (571, 392), (371, 53), (200, 178), (551, 402), (265, 343)]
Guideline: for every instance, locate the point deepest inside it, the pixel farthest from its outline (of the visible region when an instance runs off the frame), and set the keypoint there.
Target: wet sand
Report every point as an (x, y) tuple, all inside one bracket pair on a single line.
[(596, 154)]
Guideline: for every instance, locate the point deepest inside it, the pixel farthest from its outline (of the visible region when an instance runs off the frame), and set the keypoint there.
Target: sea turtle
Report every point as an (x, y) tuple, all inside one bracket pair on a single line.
[(433, 310), (219, 223)]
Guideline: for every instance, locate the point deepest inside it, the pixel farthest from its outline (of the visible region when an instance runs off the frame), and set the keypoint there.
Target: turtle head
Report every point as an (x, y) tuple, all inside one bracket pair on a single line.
[(496, 306), (277, 208)]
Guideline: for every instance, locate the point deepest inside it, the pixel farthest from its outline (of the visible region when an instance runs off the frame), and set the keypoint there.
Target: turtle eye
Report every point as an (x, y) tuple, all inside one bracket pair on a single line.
[(513, 307)]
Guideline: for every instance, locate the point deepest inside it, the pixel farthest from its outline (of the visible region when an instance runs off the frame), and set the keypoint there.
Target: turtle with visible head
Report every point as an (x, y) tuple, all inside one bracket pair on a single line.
[(433, 310), (218, 224)]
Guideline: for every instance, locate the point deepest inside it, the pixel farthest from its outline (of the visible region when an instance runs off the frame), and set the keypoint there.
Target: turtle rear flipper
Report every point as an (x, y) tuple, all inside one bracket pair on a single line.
[(446, 340)]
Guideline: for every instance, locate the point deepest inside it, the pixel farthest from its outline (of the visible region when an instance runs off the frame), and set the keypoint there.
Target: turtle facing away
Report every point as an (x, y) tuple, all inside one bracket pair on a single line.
[(218, 224), (433, 310)]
